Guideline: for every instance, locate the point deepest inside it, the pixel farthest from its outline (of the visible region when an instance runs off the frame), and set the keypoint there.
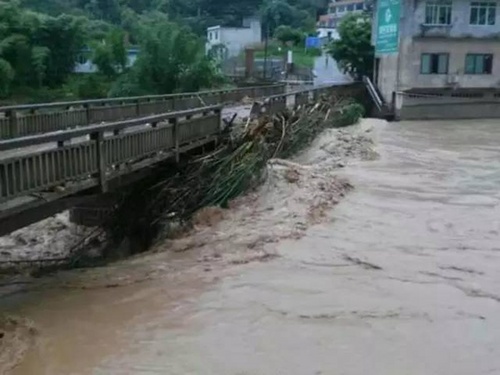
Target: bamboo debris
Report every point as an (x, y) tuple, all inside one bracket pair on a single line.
[(235, 166)]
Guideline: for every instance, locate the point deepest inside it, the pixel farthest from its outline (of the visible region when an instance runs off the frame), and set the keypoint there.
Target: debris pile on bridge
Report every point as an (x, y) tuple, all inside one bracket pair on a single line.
[(236, 165)]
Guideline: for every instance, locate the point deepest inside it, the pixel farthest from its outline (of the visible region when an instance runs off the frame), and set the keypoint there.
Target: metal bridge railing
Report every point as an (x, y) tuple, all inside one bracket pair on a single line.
[(25, 120)]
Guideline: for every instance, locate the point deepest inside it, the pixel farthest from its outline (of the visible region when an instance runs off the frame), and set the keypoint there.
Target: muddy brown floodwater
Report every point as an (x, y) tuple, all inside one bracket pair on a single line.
[(401, 277)]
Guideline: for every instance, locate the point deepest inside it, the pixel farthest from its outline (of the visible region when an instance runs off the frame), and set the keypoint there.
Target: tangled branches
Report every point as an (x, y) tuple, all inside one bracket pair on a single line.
[(235, 166)]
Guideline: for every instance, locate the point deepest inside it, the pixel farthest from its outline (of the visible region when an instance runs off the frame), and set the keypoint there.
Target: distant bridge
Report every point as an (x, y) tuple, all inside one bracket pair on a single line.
[(55, 156)]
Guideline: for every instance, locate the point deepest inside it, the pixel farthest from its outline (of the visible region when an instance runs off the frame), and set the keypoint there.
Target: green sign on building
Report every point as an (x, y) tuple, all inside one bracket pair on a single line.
[(387, 26)]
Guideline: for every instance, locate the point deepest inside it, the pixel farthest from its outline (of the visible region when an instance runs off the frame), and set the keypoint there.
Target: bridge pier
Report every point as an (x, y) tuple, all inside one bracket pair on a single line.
[(95, 212)]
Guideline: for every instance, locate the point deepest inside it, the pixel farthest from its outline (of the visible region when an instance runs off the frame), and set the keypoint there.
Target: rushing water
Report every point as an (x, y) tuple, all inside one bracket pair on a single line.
[(400, 278)]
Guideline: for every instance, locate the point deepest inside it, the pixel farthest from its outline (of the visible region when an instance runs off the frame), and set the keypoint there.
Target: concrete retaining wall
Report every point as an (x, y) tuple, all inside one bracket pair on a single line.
[(449, 105)]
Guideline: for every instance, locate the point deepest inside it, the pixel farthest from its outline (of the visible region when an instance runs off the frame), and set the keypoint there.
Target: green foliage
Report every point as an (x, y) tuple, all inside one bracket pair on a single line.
[(110, 55), (316, 52), (288, 35), (172, 59), (40, 40), (64, 38), (108, 10), (280, 12), (353, 51), (90, 86), (350, 114), (301, 57), (40, 50), (127, 85), (6, 77)]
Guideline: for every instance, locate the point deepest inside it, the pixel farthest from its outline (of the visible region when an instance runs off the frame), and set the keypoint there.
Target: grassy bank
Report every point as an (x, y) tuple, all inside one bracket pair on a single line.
[(301, 56)]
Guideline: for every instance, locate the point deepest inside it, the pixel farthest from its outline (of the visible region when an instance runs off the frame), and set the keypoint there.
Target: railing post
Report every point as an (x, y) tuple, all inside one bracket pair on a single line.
[(98, 138), (88, 114), (175, 122), (13, 123), (138, 107)]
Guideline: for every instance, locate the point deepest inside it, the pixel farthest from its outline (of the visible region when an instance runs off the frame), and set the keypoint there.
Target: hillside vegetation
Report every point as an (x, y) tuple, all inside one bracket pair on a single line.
[(40, 41)]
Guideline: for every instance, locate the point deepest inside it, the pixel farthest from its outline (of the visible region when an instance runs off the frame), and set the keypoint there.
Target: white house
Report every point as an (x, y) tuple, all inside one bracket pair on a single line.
[(327, 24), (234, 39)]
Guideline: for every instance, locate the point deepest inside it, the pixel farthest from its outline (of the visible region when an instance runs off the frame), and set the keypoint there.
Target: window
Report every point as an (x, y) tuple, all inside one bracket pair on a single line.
[(438, 13), (359, 6), (341, 9), (209, 36), (216, 35), (434, 63), (483, 13), (478, 63), (350, 8)]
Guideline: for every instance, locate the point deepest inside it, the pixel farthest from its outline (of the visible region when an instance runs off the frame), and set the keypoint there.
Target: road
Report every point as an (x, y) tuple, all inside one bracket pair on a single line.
[(327, 71), (401, 277)]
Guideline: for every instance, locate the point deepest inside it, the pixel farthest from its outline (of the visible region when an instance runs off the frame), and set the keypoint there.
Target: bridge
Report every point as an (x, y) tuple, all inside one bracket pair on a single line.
[(58, 155)]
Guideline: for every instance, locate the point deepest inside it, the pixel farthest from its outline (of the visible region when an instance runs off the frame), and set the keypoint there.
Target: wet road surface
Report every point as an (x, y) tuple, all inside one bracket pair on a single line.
[(327, 72), (402, 277)]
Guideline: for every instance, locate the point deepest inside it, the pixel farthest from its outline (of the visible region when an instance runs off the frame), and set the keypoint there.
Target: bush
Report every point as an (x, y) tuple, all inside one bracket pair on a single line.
[(88, 86), (353, 51), (287, 35), (350, 114), (314, 52), (126, 85)]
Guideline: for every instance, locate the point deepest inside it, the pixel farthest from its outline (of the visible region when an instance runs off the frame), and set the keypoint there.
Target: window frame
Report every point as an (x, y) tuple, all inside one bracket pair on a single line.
[(435, 7), (430, 54), (491, 6), (474, 56)]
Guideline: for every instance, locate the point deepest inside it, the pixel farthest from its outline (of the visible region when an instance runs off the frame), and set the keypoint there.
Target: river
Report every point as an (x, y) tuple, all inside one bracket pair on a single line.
[(400, 277)]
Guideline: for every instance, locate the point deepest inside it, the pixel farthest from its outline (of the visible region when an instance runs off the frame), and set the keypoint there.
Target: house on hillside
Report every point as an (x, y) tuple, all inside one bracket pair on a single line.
[(327, 23), (232, 41), (84, 64), (438, 59)]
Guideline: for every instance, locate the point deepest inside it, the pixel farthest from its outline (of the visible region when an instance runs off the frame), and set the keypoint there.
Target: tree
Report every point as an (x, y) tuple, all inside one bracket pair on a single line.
[(282, 12), (36, 49), (110, 55), (171, 59), (108, 10), (6, 77), (64, 37), (287, 34), (353, 51)]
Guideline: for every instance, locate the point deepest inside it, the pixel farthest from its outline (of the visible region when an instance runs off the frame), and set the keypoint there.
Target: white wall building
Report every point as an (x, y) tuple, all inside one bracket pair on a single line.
[(327, 33), (235, 39)]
